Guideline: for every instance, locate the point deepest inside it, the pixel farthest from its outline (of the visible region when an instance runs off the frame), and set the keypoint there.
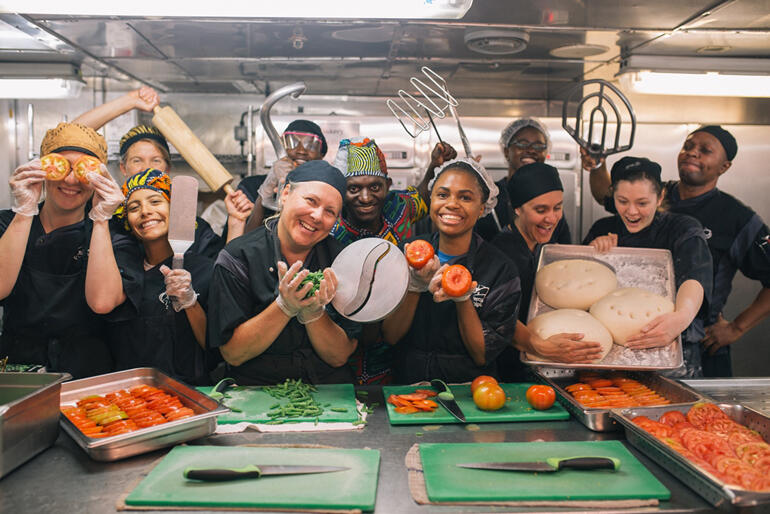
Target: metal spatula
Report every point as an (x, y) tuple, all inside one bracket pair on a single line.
[(181, 223)]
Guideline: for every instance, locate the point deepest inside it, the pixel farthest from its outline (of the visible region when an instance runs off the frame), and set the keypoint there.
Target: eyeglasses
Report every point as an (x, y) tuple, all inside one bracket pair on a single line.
[(310, 142), (522, 144)]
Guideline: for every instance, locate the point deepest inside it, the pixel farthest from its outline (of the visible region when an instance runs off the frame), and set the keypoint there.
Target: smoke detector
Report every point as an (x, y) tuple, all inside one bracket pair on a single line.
[(496, 41)]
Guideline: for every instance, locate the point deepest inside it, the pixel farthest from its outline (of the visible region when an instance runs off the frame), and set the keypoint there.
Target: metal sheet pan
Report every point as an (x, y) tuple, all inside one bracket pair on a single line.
[(203, 423), (599, 420), (650, 269), (750, 392), (708, 486)]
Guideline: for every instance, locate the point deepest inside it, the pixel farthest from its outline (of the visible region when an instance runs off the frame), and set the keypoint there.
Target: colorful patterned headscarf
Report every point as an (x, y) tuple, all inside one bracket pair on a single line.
[(150, 178), (362, 157)]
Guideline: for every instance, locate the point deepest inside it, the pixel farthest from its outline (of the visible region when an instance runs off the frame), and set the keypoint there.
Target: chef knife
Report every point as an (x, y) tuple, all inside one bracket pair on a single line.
[(549, 465), (253, 471), (181, 222), (447, 399)]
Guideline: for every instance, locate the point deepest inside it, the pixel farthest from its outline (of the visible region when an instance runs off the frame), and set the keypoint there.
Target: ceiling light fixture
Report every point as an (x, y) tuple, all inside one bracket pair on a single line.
[(338, 9), (40, 80), (697, 76)]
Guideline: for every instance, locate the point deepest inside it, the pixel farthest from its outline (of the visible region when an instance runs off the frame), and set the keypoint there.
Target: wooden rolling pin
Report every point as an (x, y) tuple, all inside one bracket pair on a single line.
[(192, 149)]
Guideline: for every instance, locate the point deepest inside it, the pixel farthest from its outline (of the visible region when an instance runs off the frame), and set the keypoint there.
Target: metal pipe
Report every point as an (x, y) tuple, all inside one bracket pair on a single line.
[(30, 132), (294, 90), (250, 140)]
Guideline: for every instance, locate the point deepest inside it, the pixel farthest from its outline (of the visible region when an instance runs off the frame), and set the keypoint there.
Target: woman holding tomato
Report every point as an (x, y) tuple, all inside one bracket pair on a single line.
[(155, 315), (447, 328), (536, 194), (638, 193), (44, 251)]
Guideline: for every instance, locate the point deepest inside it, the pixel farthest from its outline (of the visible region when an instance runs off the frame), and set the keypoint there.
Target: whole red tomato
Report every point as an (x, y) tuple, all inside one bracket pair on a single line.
[(480, 380), (456, 280), (541, 397), (489, 397), (418, 253)]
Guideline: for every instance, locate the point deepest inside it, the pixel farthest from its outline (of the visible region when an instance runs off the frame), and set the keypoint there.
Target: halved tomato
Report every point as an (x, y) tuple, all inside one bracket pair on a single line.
[(55, 165), (418, 253), (84, 165), (456, 280)]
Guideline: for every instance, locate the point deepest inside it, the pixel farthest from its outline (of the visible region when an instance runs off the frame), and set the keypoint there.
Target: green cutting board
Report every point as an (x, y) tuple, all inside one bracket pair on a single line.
[(445, 482), (515, 409), (254, 404), (355, 488)]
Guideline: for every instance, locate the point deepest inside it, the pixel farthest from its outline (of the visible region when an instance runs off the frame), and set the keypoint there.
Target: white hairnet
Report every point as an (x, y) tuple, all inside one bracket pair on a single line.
[(516, 125), (481, 171)]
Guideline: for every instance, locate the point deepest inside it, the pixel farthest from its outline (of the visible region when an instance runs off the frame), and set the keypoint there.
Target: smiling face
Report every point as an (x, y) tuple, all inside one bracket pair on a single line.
[(702, 160), (636, 203), (68, 194), (364, 197), (144, 154), (518, 157), (309, 212), (147, 214), (537, 219), (456, 202)]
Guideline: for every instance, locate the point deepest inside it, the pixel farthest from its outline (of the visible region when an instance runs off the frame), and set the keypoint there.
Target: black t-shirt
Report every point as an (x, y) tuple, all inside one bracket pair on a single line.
[(512, 244), (487, 228), (433, 346), (245, 283), (146, 330)]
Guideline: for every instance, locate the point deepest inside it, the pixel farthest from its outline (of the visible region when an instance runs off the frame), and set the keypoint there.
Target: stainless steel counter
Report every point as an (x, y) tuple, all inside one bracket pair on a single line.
[(64, 479)]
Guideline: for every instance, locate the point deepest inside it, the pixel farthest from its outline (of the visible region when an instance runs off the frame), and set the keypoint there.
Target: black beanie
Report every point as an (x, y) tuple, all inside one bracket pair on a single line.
[(628, 166), (310, 128), (318, 171), (725, 138), (531, 181)]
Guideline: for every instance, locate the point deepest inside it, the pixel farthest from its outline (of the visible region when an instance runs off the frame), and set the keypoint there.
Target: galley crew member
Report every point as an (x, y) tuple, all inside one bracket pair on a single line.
[(737, 237), (259, 316), (638, 193), (155, 315), (456, 338), (523, 141), (44, 251), (536, 196), (145, 147)]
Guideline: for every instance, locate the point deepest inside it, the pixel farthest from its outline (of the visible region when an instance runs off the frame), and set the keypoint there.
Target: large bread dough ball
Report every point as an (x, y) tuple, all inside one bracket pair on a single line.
[(574, 283), (625, 311), (571, 321)]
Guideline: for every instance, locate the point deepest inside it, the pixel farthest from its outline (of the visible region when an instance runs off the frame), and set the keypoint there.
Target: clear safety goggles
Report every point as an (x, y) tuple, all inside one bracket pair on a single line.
[(310, 142), (523, 145)]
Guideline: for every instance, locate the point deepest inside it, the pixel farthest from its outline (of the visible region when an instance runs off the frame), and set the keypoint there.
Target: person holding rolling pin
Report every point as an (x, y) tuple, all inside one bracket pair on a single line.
[(268, 315), (737, 237), (44, 249), (145, 147)]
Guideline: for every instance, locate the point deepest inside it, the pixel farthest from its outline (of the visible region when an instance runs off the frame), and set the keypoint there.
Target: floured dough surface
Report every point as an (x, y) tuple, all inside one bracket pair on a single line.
[(625, 311), (571, 321), (574, 283)]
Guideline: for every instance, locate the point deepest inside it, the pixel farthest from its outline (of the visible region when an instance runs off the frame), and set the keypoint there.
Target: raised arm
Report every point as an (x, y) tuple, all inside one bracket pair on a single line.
[(598, 176), (441, 153), (144, 99)]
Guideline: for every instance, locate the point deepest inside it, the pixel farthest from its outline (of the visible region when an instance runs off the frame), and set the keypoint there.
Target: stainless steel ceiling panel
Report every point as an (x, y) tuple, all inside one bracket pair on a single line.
[(712, 43), (103, 38), (151, 69)]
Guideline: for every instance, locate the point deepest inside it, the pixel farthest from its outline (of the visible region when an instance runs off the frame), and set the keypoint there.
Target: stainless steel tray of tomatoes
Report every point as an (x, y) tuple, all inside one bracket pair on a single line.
[(720, 450), (126, 413), (596, 416)]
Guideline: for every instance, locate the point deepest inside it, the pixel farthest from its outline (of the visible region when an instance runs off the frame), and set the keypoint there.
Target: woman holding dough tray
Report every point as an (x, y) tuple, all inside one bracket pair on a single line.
[(637, 191)]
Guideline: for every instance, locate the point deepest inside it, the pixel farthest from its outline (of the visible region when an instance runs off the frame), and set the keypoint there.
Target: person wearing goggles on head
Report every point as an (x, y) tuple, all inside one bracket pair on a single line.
[(303, 141), (523, 141), (737, 237), (44, 249), (145, 147)]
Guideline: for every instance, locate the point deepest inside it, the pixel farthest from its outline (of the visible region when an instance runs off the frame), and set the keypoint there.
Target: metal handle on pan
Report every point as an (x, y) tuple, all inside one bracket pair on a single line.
[(599, 149), (295, 90)]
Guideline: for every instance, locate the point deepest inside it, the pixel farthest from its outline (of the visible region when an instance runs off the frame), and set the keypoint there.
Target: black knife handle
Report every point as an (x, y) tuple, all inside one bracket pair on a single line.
[(588, 463), (219, 475)]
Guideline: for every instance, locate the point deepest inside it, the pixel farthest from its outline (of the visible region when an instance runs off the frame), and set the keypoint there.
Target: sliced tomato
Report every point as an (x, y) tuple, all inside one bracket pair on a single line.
[(413, 396), (672, 417), (55, 165), (84, 165), (704, 413), (407, 409), (427, 392)]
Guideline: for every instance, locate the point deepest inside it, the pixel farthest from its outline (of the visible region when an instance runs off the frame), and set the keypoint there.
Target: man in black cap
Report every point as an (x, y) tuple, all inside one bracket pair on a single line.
[(737, 237), (264, 318)]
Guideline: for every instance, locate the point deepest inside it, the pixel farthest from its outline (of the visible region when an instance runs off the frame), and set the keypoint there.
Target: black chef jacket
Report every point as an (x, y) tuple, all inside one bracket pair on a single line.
[(146, 330), (46, 319), (686, 239), (433, 346), (738, 240), (207, 243), (245, 283), (487, 228)]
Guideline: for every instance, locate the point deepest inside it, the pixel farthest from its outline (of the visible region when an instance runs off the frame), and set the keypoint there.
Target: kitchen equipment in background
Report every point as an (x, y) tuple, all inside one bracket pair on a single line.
[(354, 488), (749, 392), (549, 465), (192, 149), (599, 145), (144, 440), (373, 278), (29, 416), (446, 482), (515, 409)]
